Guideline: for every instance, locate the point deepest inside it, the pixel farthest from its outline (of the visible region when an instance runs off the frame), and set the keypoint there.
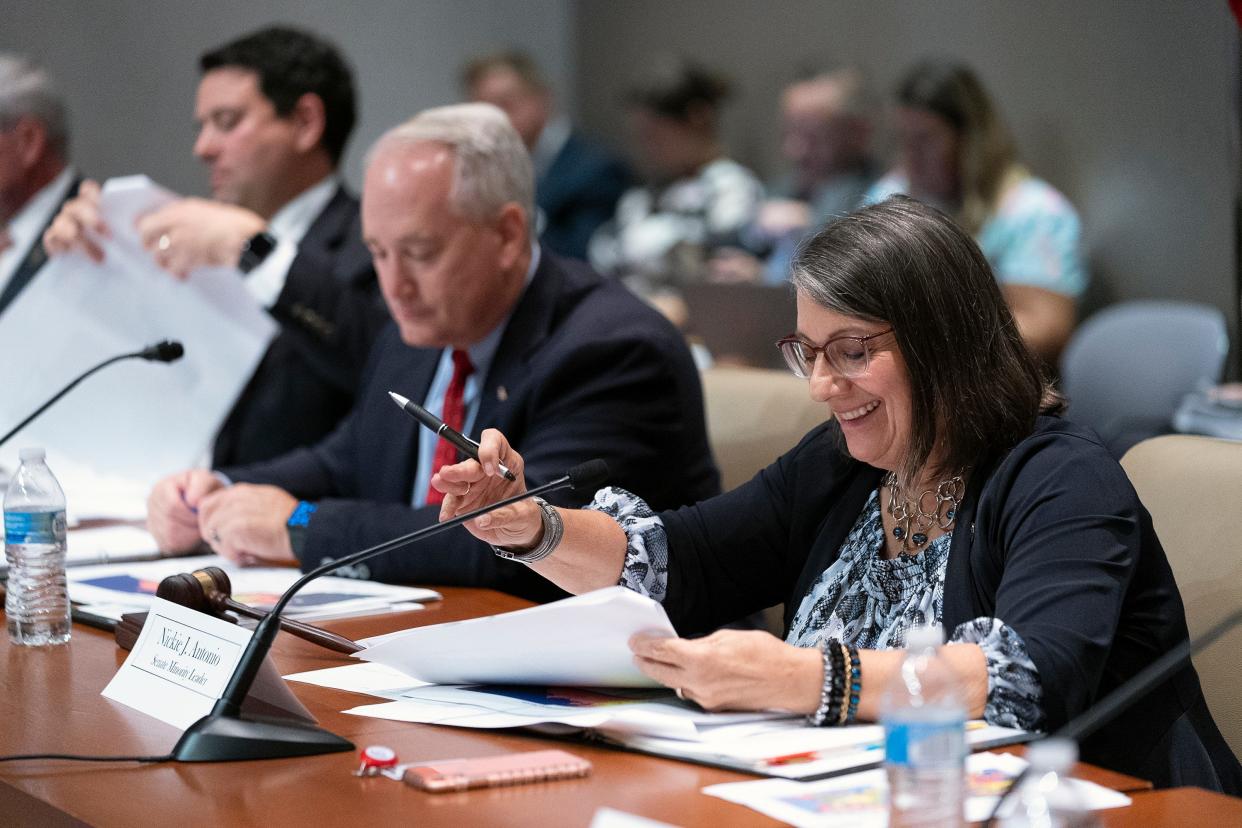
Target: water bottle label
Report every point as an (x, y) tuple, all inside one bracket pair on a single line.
[(923, 744), (34, 527)]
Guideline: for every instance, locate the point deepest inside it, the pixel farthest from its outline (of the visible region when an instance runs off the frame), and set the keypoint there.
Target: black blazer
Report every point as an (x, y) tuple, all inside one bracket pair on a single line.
[(330, 312), (1051, 539), (584, 369), (36, 257), (577, 194)]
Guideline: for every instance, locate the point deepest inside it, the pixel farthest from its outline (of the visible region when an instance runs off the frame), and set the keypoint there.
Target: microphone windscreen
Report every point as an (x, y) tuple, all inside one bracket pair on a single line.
[(170, 350), (588, 476)]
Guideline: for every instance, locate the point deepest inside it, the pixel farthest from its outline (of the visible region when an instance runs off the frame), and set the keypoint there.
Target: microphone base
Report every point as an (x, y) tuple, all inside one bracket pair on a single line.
[(216, 738)]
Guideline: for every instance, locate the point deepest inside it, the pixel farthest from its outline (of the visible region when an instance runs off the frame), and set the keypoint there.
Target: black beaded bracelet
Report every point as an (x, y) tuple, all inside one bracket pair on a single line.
[(836, 702), (817, 718), (855, 685)]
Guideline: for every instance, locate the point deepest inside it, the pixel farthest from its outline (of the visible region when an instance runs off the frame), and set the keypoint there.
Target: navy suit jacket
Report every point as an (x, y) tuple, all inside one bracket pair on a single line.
[(36, 257), (584, 369), (577, 194), (330, 312)]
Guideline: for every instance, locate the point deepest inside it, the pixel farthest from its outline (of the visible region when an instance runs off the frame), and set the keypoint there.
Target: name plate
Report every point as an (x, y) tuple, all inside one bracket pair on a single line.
[(179, 666)]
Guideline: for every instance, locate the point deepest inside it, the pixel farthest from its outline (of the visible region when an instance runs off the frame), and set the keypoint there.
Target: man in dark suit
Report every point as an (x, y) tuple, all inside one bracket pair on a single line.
[(577, 184), (275, 110), (490, 331), (35, 176)]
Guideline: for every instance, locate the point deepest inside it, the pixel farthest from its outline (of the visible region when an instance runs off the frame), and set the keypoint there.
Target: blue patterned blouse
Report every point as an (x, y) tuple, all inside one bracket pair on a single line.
[(862, 599)]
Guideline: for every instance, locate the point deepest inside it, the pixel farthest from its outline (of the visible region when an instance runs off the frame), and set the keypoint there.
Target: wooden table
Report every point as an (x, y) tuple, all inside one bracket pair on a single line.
[(51, 703)]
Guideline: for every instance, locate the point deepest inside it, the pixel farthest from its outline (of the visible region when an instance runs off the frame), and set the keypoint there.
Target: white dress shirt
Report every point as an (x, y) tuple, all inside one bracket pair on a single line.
[(288, 227)]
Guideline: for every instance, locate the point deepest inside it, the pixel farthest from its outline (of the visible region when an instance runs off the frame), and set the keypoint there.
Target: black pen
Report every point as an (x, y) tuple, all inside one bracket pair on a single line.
[(441, 428)]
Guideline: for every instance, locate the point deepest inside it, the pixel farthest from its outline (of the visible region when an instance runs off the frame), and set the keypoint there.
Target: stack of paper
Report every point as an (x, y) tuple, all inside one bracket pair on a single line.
[(112, 589), (567, 665)]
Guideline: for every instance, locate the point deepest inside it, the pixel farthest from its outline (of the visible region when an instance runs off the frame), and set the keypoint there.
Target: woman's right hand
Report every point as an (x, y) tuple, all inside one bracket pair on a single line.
[(472, 484)]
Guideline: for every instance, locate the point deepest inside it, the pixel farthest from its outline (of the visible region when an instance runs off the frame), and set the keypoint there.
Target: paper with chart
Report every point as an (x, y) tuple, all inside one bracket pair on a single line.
[(136, 420), (859, 800)]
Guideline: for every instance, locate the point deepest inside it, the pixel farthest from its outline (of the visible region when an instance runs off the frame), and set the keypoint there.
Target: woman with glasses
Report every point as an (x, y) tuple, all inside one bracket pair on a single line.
[(944, 489)]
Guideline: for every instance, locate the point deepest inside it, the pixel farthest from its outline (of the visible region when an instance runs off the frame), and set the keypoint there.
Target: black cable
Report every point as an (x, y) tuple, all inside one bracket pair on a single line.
[(75, 757)]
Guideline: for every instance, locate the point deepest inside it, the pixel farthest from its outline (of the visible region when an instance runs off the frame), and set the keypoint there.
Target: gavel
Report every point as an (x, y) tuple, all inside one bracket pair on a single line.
[(209, 590)]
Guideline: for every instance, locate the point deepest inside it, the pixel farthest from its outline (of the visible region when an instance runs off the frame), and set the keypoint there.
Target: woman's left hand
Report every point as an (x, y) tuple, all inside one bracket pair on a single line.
[(734, 670)]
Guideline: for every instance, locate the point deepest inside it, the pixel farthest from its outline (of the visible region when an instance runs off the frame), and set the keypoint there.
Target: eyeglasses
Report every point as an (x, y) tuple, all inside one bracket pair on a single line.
[(848, 356)]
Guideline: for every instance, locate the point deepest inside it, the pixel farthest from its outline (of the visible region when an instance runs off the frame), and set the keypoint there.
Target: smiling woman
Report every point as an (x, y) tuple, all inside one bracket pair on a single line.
[(946, 490)]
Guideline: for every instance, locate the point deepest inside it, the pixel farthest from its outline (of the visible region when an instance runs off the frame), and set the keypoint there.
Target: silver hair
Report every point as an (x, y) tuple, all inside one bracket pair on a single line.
[(492, 167), (26, 90)]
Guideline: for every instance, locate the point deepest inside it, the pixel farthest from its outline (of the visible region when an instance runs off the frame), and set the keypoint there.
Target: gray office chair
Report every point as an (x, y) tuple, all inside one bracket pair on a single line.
[(1128, 367)]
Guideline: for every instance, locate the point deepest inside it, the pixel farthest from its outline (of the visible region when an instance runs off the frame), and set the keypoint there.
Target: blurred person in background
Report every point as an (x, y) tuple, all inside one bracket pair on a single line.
[(35, 175), (957, 154), (826, 128), (695, 198), (577, 183)]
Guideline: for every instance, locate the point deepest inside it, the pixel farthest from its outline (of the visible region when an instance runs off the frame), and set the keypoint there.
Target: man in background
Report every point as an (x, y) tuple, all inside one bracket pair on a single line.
[(577, 184), (826, 128), (275, 110), (35, 175), (490, 330)]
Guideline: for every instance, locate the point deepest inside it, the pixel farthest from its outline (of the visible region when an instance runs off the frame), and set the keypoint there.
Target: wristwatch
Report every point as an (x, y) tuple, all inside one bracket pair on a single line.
[(553, 529), (257, 248)]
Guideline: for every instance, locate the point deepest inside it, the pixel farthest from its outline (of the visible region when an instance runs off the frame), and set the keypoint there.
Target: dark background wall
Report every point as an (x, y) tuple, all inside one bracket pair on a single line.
[(129, 68), (1127, 107)]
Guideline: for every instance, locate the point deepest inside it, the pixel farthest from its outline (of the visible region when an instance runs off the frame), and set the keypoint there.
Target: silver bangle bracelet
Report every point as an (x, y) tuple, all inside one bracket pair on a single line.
[(553, 531)]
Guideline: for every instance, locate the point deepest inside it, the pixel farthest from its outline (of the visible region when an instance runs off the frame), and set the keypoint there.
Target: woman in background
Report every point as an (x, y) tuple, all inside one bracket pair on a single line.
[(957, 155), (695, 198)]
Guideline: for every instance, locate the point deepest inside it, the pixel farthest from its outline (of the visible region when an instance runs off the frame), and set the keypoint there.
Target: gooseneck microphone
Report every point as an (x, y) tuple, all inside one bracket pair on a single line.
[(224, 735), (167, 351), (1129, 692)]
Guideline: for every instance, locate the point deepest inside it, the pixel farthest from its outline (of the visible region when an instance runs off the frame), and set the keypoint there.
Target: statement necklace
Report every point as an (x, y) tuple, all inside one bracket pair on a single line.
[(932, 507)]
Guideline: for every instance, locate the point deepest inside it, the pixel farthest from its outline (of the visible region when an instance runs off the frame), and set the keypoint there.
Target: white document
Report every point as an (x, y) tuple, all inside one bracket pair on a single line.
[(131, 587), (614, 712), (579, 642), (179, 666), (861, 799), (136, 421)]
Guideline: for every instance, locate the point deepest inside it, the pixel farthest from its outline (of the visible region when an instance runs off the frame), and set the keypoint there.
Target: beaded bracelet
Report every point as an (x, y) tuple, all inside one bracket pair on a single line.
[(832, 692), (825, 692), (845, 683), (837, 704), (855, 684)]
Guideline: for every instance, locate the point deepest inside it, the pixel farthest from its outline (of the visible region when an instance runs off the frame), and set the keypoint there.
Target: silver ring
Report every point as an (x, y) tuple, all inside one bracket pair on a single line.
[(467, 491), (164, 242), (677, 692)]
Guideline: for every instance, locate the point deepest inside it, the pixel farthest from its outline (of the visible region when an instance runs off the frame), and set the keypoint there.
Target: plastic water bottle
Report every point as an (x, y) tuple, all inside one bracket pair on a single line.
[(924, 721), (1046, 796), (37, 599)]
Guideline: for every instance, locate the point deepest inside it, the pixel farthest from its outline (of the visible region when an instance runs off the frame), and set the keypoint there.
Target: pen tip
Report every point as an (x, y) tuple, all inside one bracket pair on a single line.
[(397, 398)]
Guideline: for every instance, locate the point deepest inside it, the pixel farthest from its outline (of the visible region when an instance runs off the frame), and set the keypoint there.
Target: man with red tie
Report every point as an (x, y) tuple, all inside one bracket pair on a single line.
[(489, 331)]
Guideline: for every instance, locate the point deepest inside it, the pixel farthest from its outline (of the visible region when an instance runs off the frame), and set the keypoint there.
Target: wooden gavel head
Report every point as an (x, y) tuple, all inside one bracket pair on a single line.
[(205, 590)]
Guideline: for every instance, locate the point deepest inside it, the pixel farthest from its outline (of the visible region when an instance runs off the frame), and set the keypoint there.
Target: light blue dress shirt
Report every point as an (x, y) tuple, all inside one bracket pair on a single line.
[(481, 355)]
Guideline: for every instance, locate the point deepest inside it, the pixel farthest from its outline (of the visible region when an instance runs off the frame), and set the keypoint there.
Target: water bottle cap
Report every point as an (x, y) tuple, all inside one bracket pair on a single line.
[(923, 638), (32, 455), (1052, 754)]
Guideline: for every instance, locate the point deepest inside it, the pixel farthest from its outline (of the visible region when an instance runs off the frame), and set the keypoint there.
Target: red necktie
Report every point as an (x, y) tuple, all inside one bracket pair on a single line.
[(454, 415)]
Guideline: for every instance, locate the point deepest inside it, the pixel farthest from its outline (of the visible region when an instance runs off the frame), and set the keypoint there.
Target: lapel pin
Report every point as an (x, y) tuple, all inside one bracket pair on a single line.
[(502, 393)]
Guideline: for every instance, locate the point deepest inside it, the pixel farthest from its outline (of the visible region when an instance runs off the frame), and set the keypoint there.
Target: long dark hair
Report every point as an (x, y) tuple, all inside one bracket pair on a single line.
[(986, 155), (975, 387)]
